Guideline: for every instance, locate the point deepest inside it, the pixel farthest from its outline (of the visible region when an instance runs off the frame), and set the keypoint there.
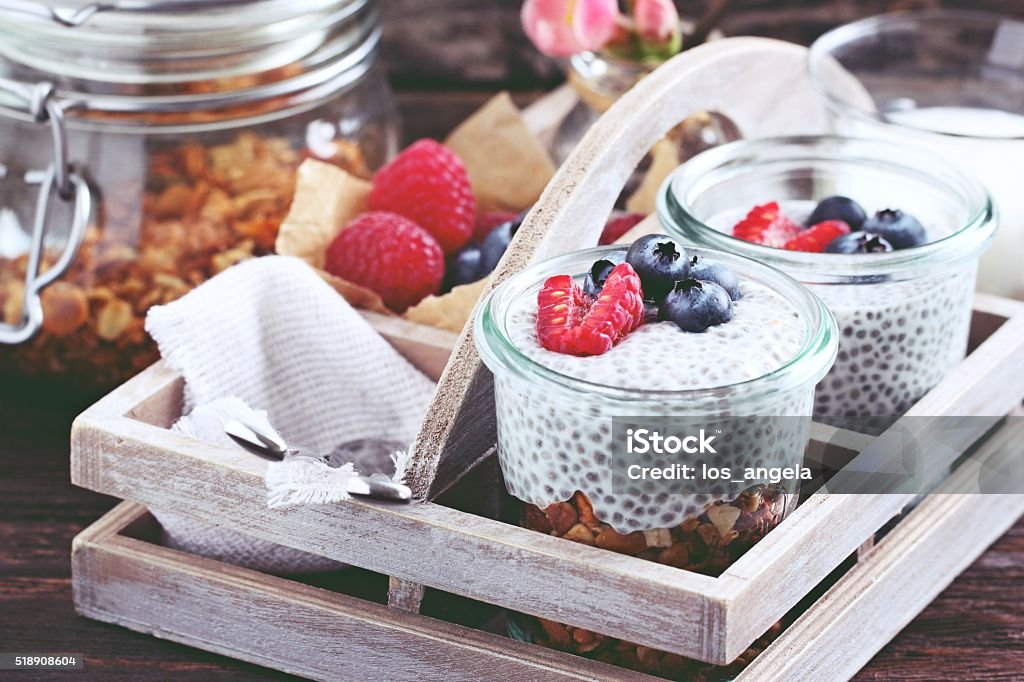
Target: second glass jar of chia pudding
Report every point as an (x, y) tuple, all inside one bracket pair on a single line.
[(559, 434), (904, 315)]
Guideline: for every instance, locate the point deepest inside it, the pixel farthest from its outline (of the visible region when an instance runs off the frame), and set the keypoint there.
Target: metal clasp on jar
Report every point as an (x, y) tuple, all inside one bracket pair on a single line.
[(58, 181)]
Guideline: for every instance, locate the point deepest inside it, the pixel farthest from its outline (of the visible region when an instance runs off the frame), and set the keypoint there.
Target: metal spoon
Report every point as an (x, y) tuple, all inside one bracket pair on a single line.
[(270, 445)]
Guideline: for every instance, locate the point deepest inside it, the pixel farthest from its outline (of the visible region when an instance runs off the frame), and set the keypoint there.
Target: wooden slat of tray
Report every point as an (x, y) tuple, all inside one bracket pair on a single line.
[(323, 635), (990, 381), (289, 626), (886, 590)]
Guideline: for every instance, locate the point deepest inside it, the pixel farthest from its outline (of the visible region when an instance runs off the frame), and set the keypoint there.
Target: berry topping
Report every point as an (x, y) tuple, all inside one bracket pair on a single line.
[(900, 229), (599, 272), (694, 306), (766, 225), (816, 238), (619, 225), (838, 208), (702, 270), (858, 242), (463, 267), (569, 321), (660, 261), (390, 255), (485, 222), (495, 244), (427, 183)]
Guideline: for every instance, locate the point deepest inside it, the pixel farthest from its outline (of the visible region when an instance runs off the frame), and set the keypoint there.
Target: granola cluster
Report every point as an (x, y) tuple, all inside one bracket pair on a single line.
[(198, 211), (706, 544)]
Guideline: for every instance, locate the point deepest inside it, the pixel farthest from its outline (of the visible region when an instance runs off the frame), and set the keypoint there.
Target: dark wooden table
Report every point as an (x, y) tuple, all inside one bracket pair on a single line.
[(445, 57)]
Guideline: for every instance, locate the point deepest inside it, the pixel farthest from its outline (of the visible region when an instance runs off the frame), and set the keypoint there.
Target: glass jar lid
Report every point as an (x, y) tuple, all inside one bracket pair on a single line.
[(167, 56)]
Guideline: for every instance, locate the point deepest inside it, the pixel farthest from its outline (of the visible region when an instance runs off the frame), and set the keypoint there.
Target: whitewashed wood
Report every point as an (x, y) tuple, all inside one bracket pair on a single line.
[(289, 626), (844, 629), (405, 595), (228, 610), (990, 381), (425, 543), (662, 607), (459, 424)]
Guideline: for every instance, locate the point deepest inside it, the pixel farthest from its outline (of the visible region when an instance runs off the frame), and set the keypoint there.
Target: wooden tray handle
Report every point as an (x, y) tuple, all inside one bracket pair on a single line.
[(761, 84)]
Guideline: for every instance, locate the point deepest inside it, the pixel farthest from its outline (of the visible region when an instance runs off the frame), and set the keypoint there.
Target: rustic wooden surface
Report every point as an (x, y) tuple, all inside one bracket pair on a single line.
[(446, 56)]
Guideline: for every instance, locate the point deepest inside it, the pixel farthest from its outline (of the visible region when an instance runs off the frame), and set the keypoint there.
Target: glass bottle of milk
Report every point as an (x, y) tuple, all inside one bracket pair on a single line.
[(952, 82)]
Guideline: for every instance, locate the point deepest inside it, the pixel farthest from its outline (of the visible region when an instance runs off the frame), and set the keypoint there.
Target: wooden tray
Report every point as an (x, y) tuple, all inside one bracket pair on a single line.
[(122, 447), (122, 577)]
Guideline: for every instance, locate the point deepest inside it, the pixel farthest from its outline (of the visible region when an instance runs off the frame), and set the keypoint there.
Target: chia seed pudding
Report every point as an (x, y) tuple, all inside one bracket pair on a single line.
[(548, 451), (904, 316), (555, 434)]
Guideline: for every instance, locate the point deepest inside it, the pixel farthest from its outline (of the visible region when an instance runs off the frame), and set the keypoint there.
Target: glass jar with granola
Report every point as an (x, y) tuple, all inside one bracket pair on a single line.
[(150, 146), (655, 402)]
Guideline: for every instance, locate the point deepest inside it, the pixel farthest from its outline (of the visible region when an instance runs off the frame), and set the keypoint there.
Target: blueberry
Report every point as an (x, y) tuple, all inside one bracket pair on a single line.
[(599, 272), (858, 242), (695, 305), (900, 229), (701, 269), (494, 244), (463, 267), (660, 261), (838, 208)]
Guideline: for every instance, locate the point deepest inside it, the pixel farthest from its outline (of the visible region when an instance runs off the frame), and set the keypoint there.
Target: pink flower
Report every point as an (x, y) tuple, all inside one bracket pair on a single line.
[(657, 21), (562, 28)]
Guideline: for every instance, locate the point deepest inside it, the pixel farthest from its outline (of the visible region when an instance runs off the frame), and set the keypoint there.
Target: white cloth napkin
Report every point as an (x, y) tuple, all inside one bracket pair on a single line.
[(270, 342)]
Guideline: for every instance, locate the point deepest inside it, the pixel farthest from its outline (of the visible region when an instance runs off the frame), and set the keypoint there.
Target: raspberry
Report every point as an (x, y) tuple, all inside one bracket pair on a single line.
[(618, 226), (428, 184), (390, 255), (766, 225), (569, 321), (817, 237), (485, 222)]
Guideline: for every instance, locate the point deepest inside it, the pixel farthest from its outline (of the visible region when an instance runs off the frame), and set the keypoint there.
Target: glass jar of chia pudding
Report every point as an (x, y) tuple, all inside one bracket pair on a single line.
[(559, 428), (904, 315)]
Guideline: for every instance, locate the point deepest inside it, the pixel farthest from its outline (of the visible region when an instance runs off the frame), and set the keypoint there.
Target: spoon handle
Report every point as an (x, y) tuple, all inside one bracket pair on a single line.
[(379, 489)]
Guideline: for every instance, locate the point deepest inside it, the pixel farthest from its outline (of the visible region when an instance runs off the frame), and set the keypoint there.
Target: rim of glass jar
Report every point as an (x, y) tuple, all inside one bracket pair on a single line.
[(123, 115), (154, 28), (332, 65), (824, 46), (815, 268), (806, 367)]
